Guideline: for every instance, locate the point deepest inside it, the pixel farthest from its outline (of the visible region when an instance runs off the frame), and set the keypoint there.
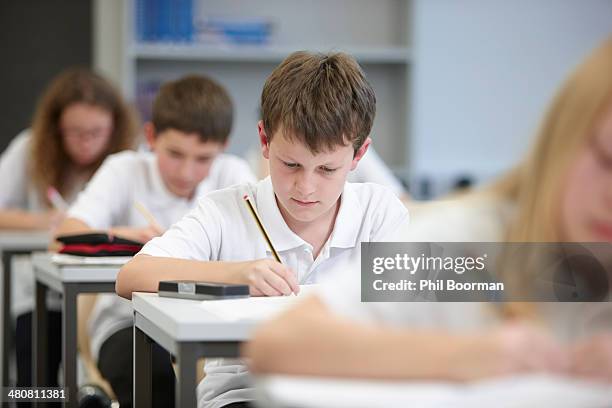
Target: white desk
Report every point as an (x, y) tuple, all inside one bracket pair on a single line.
[(14, 243), (509, 392), (68, 278), (191, 329)]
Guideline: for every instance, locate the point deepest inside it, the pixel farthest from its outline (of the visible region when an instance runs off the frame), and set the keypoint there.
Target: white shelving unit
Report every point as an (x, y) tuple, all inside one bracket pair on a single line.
[(272, 54), (376, 33)]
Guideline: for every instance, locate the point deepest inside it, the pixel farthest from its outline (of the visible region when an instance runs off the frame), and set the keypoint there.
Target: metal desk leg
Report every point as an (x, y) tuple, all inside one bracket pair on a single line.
[(39, 338), (7, 329), (186, 358), (8, 332), (142, 369), (69, 341), (40, 357)]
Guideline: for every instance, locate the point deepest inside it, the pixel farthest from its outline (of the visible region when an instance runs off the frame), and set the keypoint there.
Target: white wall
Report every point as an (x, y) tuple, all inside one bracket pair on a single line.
[(484, 72)]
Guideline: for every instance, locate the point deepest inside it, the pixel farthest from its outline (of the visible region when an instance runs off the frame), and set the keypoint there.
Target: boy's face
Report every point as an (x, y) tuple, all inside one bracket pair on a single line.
[(183, 160), (307, 185)]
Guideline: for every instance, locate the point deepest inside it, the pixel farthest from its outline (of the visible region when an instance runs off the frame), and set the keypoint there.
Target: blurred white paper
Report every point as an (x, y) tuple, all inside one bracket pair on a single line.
[(65, 259), (254, 308), (508, 392)]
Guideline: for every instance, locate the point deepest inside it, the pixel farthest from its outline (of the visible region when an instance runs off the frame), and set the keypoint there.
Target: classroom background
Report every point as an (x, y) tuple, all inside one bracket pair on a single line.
[(461, 85)]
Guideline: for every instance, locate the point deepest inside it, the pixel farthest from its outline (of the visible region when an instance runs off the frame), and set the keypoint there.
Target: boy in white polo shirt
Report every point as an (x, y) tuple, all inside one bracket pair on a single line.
[(317, 114), (191, 122)]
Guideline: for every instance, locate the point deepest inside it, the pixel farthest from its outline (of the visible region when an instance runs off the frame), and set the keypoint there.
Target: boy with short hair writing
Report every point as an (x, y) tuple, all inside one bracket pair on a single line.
[(317, 114)]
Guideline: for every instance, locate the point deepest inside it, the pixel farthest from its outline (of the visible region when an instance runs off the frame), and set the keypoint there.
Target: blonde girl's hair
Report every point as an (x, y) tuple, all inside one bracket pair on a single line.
[(535, 185)]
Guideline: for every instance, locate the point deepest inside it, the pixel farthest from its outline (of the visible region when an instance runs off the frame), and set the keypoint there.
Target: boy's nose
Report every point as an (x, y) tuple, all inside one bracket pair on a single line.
[(305, 185), (185, 170)]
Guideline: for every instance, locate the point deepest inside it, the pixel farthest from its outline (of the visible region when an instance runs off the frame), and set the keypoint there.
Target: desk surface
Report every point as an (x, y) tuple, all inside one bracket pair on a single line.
[(522, 391), (211, 320), (69, 271), (24, 240)]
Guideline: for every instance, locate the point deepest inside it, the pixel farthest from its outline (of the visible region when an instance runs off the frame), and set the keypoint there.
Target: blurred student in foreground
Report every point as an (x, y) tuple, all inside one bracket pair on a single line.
[(561, 192)]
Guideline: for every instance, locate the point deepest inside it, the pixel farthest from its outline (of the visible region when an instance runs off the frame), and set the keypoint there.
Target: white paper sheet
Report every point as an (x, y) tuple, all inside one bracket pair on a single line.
[(509, 392), (254, 308), (65, 259)]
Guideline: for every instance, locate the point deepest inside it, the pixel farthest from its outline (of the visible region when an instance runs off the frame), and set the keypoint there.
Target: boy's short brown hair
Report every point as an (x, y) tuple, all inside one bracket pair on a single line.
[(321, 100), (194, 104)]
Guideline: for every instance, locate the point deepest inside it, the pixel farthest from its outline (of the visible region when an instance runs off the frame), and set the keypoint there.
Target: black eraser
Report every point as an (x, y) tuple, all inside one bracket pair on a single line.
[(202, 290)]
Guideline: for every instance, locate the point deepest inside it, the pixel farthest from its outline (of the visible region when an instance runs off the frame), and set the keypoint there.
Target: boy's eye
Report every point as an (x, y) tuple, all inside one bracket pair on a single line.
[(291, 165), (327, 169), (174, 154)]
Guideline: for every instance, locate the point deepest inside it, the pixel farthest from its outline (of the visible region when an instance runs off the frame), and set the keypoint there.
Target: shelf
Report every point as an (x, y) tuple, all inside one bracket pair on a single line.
[(271, 54)]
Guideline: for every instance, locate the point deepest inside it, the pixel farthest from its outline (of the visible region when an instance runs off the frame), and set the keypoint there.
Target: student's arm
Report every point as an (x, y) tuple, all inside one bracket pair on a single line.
[(86, 304), (264, 276), (310, 340), (14, 184), (72, 226), (592, 357)]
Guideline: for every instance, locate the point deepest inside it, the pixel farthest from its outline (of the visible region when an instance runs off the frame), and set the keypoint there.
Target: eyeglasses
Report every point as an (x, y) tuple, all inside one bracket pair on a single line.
[(76, 133)]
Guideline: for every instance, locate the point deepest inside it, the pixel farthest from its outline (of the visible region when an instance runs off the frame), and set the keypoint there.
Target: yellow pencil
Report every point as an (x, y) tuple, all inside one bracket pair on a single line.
[(251, 208), (147, 215)]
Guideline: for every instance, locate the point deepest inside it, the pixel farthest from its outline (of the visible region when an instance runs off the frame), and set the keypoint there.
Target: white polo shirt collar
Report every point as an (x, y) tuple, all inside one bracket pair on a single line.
[(283, 239)]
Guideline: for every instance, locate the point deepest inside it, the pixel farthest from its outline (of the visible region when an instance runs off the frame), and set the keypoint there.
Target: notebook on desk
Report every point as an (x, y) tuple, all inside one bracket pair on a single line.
[(65, 259)]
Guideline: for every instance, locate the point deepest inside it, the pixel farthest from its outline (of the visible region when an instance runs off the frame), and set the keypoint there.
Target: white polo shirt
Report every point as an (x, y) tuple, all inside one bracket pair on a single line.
[(482, 220), (479, 218), (123, 179), (17, 191), (221, 228)]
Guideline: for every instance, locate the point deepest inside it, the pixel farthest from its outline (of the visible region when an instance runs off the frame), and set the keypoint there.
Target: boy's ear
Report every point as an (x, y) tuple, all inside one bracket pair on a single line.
[(263, 140), (360, 152), (149, 131)]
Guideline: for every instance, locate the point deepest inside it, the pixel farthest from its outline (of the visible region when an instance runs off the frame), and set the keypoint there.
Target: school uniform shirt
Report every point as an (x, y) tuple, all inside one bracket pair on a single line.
[(133, 177), (17, 191), (221, 228), (480, 219)]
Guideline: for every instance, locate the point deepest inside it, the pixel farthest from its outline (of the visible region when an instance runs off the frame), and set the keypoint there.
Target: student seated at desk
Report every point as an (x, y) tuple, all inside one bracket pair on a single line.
[(191, 123), (80, 119), (317, 114), (561, 192)]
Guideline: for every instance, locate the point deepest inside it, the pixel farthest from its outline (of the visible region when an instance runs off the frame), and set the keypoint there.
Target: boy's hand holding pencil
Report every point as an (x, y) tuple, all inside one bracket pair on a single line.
[(267, 277)]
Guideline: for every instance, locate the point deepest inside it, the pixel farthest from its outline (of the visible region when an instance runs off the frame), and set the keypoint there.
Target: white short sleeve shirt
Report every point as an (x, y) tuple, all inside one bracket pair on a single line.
[(221, 228), (129, 177), (458, 220), (17, 191), (124, 179)]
